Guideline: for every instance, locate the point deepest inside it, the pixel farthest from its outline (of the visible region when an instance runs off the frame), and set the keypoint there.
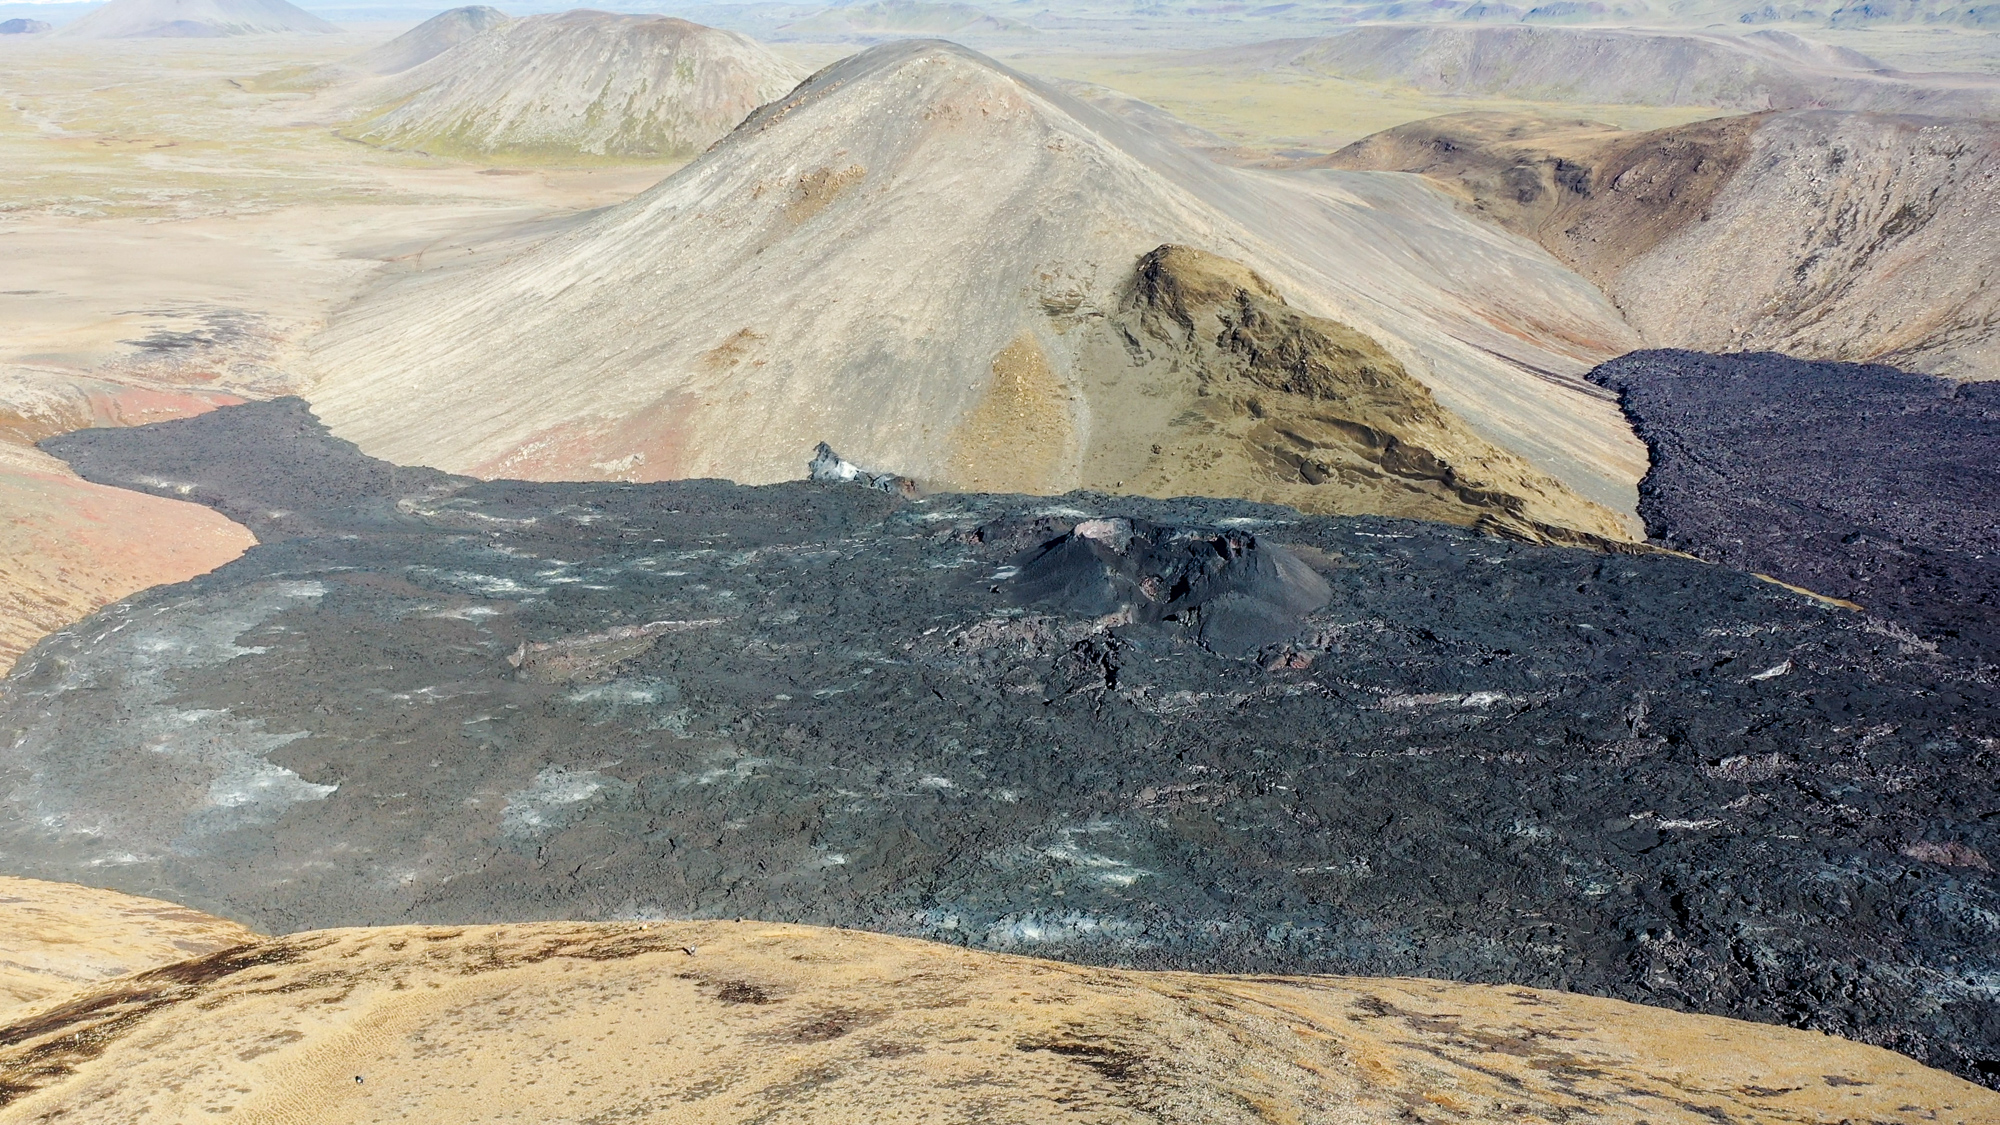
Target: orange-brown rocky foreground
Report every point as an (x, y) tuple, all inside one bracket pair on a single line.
[(68, 547), (748, 1021)]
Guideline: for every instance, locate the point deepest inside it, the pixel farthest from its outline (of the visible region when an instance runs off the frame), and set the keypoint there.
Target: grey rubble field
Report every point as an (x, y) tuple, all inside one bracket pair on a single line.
[(425, 698)]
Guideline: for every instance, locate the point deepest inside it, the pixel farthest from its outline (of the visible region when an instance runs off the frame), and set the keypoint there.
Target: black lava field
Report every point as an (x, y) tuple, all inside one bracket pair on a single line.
[(1858, 481), (1192, 733)]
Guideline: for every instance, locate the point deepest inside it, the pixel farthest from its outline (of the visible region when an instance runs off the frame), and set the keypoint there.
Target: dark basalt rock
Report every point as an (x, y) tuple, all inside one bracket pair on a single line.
[(1858, 481), (1447, 755), (280, 475), (1234, 594)]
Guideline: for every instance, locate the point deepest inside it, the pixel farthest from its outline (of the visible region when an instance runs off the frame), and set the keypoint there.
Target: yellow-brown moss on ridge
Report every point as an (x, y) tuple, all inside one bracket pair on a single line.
[(1291, 408)]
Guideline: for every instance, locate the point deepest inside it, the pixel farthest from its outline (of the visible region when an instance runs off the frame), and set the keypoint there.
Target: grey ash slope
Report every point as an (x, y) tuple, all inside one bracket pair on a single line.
[(448, 701), (1858, 237), (955, 272)]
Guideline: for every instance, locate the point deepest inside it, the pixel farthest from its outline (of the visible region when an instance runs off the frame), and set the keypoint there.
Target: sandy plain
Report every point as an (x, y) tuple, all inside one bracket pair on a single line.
[(1277, 113), (170, 238)]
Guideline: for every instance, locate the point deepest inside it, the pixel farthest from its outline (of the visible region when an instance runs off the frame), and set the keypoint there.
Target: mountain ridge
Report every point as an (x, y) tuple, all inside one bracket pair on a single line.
[(932, 180), (151, 19)]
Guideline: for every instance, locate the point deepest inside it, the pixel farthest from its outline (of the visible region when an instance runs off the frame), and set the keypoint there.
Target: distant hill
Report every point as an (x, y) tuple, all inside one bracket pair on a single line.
[(576, 84), (418, 45), (25, 27), (428, 40), (194, 19), (1758, 71), (902, 17), (1820, 234), (1557, 13)]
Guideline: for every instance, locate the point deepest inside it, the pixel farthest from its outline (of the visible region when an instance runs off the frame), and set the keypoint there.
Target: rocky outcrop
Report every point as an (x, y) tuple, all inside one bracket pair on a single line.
[(1821, 235), (929, 262), (1276, 405), (718, 1021), (579, 84)]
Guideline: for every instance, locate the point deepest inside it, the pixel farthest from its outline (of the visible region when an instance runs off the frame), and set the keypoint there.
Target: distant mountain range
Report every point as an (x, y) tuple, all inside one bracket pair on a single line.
[(194, 19)]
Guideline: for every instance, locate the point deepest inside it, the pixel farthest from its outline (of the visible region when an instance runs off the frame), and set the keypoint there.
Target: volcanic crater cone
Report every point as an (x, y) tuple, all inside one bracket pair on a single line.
[(578, 83), (957, 274)]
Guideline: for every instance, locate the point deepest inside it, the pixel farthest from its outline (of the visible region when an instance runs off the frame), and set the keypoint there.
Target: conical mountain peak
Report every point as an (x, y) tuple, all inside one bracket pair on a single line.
[(930, 261)]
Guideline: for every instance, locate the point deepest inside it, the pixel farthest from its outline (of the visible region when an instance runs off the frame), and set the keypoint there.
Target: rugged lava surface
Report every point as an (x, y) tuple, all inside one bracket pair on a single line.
[(1858, 481), (429, 699)]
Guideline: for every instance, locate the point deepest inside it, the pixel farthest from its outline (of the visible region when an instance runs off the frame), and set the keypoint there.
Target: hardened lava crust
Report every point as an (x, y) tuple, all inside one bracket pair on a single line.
[(1858, 481), (1158, 733)]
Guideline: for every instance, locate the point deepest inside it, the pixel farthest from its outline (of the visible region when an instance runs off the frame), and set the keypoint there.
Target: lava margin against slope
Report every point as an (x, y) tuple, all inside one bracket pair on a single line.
[(1640, 777)]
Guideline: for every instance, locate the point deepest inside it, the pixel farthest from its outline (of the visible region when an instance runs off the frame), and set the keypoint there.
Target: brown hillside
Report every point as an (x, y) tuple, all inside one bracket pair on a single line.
[(721, 1022)]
